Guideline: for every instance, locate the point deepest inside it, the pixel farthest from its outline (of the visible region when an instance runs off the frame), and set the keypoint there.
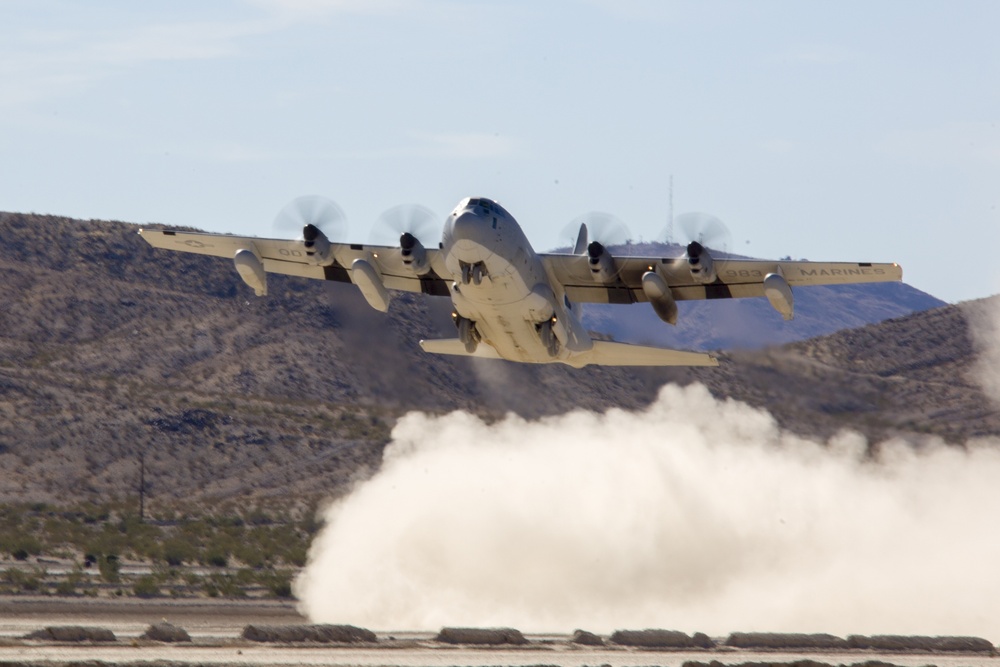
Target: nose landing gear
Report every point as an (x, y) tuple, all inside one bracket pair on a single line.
[(473, 273)]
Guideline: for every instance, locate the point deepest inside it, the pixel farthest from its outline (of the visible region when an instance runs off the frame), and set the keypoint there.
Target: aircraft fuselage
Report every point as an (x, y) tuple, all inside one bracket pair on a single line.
[(502, 288)]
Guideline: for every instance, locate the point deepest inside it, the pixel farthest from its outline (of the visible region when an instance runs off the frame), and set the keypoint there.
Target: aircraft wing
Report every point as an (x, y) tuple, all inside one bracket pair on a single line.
[(289, 257), (735, 278)]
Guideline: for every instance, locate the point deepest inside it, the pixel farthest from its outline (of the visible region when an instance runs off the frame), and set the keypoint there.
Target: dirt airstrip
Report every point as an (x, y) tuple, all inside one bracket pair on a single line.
[(61, 631)]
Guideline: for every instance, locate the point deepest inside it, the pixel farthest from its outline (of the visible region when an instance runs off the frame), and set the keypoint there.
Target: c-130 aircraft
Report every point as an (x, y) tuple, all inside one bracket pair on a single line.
[(513, 303)]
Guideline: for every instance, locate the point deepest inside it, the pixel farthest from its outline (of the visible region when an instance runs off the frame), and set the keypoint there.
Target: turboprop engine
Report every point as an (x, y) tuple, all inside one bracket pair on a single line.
[(700, 263), (413, 253), (602, 264), (317, 245)]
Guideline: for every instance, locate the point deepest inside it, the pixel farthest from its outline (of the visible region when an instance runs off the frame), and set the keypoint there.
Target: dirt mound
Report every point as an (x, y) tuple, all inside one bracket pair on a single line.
[(586, 638), (786, 640), (654, 638), (480, 636), (325, 634), (73, 633), (166, 632), (794, 663), (918, 643)]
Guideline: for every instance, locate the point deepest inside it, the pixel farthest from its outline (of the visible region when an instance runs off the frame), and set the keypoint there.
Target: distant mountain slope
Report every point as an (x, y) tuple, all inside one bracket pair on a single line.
[(109, 349), (911, 376)]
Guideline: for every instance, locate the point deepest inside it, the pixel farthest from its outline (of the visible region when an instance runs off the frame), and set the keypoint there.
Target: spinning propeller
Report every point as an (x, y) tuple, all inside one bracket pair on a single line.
[(405, 224), (411, 226), (704, 230), (603, 238), (308, 215), (316, 220)]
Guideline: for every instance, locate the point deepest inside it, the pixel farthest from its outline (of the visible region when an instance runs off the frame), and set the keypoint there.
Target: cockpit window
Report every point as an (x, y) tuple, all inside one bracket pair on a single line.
[(488, 204)]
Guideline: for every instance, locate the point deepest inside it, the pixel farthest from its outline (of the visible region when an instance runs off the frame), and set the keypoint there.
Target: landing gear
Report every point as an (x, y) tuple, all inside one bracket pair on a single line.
[(478, 271), (467, 332), (548, 336), (473, 273)]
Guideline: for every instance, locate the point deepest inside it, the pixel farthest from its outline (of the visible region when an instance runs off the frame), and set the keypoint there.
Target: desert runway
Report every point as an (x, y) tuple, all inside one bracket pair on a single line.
[(215, 627)]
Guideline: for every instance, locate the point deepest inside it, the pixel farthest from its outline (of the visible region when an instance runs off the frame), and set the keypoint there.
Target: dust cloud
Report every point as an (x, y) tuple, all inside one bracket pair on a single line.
[(694, 514), (984, 325)]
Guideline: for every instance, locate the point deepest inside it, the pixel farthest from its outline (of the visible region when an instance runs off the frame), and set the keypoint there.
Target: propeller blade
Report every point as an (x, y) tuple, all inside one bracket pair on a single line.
[(604, 228), (407, 220), (304, 216), (706, 230), (604, 239)]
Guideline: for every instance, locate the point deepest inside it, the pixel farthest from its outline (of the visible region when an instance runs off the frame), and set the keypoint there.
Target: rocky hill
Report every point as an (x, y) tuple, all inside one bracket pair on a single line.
[(111, 351)]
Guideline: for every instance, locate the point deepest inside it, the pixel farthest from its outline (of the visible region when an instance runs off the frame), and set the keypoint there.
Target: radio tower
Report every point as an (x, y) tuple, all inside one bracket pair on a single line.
[(670, 211)]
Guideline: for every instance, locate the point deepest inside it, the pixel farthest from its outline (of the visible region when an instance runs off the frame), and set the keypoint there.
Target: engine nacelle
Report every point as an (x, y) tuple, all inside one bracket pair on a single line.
[(778, 292), (700, 263), (602, 264), (251, 270), (414, 254), (318, 247), (660, 296)]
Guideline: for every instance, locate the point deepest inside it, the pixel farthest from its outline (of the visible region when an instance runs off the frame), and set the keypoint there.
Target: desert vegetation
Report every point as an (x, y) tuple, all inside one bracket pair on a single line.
[(106, 549)]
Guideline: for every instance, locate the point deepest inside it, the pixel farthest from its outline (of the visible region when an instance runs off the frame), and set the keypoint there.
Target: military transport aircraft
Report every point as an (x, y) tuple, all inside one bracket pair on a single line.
[(513, 303)]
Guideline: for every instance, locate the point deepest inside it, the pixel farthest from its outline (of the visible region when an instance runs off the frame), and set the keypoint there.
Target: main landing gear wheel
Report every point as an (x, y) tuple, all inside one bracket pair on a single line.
[(467, 334), (548, 338)]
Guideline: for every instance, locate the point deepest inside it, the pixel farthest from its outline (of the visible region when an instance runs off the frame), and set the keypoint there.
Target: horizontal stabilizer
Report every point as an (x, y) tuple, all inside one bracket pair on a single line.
[(604, 353), (608, 353), (457, 347)]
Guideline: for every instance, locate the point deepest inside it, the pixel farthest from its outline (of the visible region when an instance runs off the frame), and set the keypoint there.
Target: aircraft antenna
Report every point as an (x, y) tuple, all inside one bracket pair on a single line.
[(670, 211)]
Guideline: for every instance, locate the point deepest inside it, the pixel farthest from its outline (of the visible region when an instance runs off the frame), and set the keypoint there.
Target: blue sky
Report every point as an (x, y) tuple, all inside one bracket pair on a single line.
[(821, 130)]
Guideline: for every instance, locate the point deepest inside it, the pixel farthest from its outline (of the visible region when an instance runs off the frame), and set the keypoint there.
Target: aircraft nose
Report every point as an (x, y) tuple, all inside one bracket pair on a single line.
[(469, 229), (468, 237), (468, 225)]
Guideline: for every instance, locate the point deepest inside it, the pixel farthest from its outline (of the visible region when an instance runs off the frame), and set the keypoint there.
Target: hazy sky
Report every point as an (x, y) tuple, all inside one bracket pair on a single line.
[(824, 130)]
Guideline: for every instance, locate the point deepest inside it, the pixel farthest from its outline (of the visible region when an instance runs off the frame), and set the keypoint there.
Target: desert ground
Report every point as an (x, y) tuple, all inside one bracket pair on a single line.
[(216, 628)]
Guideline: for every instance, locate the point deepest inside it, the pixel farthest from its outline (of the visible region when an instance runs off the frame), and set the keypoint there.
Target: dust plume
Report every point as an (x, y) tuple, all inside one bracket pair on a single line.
[(983, 317), (694, 514)]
